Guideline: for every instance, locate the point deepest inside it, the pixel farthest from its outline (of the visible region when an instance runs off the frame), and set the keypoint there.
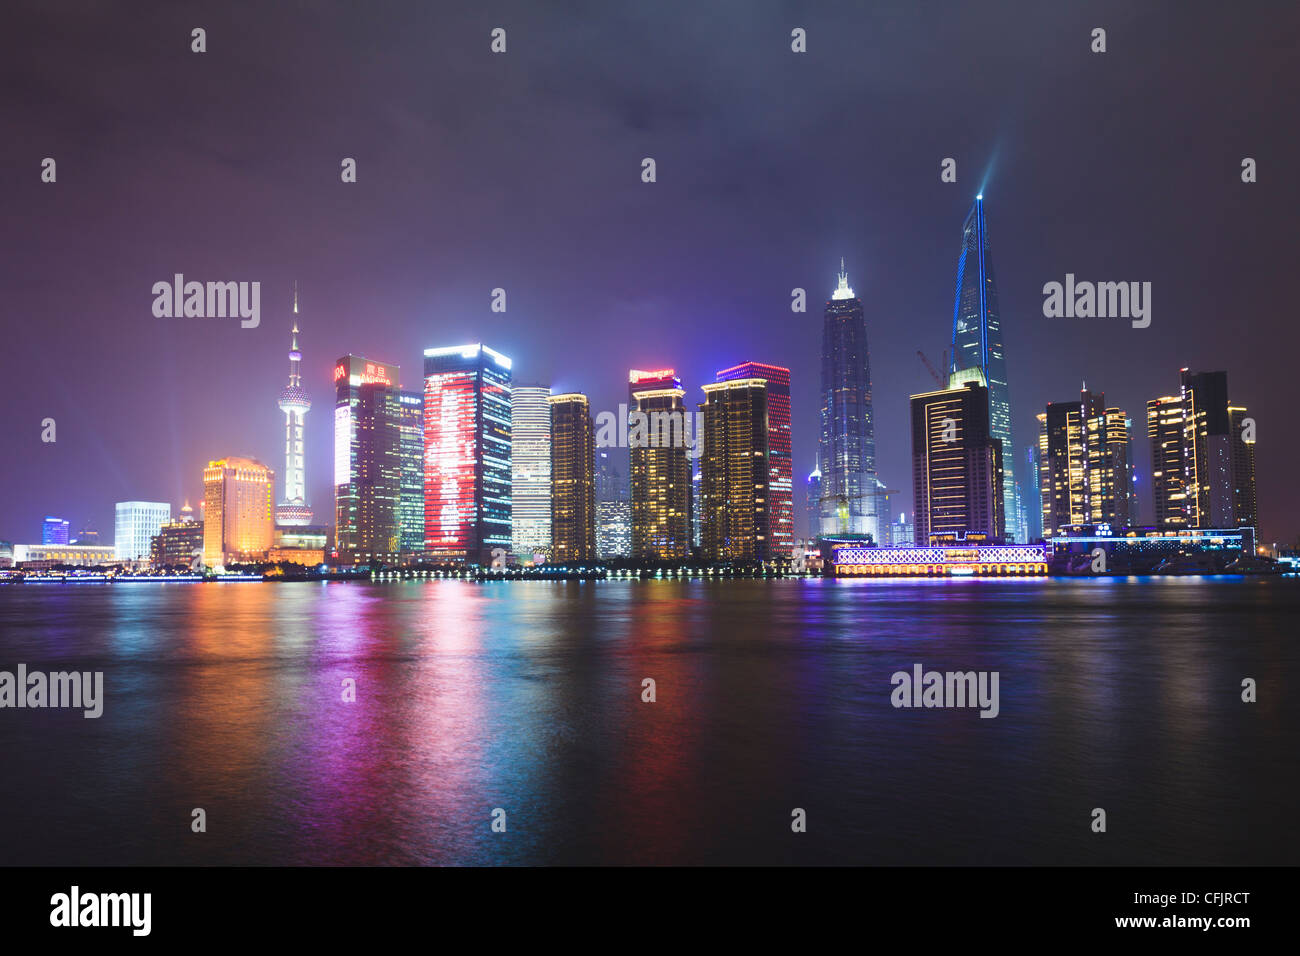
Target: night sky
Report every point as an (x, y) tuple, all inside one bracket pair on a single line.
[(522, 171)]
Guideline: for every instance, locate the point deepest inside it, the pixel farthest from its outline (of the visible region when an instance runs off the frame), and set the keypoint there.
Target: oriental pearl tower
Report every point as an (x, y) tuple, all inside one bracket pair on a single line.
[(292, 511)]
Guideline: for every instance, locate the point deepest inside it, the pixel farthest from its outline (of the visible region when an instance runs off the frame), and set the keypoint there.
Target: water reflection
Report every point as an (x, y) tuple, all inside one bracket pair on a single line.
[(527, 696)]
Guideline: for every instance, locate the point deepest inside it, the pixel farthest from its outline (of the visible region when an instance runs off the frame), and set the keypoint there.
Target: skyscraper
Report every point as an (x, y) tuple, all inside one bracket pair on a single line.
[(572, 478), (238, 525), (1202, 451), (1165, 430), (54, 530), (956, 465), (177, 542), (134, 525), (977, 344), (467, 455), (294, 402), (1243, 467), (1087, 473), (1034, 505), (813, 498), (1207, 449), (661, 469), (530, 462), (410, 504), (367, 459), (780, 463), (613, 509), (735, 521), (848, 437)]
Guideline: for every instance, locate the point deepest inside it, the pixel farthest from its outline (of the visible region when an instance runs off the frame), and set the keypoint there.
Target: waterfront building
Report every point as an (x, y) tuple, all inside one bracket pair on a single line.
[(467, 454), (735, 499), (238, 511), (44, 556), (780, 482), (410, 497), (613, 509), (977, 344), (956, 466), (54, 530), (1087, 473), (530, 463), (661, 468), (1202, 448), (134, 525), (367, 460), (849, 502), (572, 441), (178, 543)]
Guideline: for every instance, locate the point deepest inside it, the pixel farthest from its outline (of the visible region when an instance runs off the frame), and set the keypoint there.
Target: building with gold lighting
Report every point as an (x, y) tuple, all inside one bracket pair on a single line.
[(661, 469), (238, 511), (1203, 456), (573, 479), (736, 512), (1085, 472)]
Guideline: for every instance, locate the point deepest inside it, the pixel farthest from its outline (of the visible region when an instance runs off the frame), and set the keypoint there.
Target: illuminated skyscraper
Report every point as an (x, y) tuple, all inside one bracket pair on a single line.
[(54, 530), (177, 542), (134, 525), (661, 468), (238, 525), (780, 464), (1165, 430), (367, 460), (294, 402), (1202, 450), (813, 498), (573, 479), (1087, 465), (1034, 497), (977, 344), (613, 510), (1243, 467), (530, 461), (849, 503), (956, 465), (735, 523), (467, 470), (410, 505), (1208, 450)]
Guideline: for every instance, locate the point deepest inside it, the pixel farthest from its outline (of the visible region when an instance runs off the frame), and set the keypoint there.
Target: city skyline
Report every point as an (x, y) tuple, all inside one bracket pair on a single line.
[(395, 277)]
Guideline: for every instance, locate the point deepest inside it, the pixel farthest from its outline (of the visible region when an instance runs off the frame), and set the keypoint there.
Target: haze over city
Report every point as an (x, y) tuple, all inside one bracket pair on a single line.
[(522, 172)]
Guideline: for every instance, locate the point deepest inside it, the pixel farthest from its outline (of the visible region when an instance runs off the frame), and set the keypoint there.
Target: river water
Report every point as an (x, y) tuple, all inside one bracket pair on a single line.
[(522, 702)]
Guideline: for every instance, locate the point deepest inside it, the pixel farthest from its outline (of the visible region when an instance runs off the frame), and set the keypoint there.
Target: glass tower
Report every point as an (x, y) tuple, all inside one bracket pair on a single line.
[(467, 467), (410, 505), (977, 344), (367, 459), (849, 486), (530, 456)]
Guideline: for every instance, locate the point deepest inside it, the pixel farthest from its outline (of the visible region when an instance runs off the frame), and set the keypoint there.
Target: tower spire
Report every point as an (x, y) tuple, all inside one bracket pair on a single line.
[(842, 290)]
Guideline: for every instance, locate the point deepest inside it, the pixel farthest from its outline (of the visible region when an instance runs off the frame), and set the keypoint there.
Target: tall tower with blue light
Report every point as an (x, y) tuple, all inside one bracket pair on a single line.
[(292, 510), (977, 345)]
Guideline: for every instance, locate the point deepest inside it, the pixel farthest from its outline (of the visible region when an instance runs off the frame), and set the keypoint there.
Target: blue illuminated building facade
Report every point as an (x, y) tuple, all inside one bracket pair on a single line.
[(977, 345)]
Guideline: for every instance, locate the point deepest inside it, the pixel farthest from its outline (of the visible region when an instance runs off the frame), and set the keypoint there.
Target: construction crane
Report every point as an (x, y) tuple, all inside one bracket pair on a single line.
[(930, 368)]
